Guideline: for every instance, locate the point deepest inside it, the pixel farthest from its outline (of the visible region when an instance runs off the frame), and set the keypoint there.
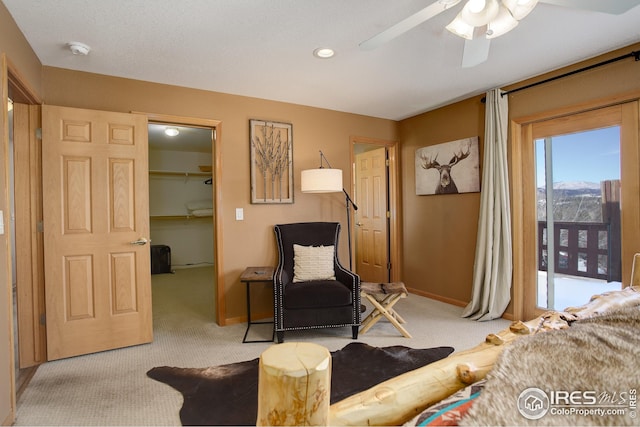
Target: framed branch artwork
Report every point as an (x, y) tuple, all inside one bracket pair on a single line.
[(449, 168), (271, 162)]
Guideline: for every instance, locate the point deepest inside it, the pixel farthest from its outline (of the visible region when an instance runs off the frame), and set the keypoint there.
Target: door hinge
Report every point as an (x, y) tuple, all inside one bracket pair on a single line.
[(39, 133), (43, 319), (388, 214), (388, 266), (386, 162), (40, 227)]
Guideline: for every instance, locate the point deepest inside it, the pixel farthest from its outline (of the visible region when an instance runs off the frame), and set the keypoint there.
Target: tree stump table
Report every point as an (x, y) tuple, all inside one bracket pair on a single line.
[(383, 296), (294, 385)]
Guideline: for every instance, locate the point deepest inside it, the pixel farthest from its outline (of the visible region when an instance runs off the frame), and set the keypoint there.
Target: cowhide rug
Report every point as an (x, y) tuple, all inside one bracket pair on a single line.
[(597, 359), (228, 394)]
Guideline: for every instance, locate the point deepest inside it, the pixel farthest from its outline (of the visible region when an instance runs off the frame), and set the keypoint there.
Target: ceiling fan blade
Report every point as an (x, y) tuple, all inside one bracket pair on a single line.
[(614, 7), (407, 24), (475, 52)]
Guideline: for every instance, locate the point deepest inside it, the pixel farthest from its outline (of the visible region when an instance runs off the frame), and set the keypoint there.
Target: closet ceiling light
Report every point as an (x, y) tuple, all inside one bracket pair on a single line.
[(171, 131)]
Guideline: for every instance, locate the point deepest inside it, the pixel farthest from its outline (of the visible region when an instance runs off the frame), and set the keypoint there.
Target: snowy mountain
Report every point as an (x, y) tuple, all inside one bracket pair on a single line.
[(576, 185), (589, 187), (573, 201)]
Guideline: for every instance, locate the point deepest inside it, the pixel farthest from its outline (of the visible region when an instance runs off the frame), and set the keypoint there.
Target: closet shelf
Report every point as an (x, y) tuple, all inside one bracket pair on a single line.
[(177, 217), (178, 173)]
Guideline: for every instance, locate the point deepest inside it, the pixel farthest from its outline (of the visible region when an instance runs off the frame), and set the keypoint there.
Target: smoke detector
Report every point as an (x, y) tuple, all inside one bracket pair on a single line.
[(78, 48)]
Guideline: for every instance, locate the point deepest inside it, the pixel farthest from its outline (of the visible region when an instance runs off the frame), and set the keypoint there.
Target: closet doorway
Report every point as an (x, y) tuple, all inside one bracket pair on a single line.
[(182, 222)]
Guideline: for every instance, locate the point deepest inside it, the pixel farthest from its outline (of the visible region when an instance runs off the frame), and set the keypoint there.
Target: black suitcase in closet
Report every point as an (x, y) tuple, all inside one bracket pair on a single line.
[(160, 259)]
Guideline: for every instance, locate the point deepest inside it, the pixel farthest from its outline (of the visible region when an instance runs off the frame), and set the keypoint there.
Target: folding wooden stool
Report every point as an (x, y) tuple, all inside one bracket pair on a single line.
[(383, 296)]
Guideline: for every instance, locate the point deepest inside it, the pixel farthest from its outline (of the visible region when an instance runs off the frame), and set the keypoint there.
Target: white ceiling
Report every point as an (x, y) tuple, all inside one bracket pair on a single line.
[(263, 48)]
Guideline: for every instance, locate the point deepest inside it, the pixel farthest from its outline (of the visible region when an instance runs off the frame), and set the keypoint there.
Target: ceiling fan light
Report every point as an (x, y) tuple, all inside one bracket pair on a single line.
[(475, 16), (519, 8), (501, 24), (460, 28)]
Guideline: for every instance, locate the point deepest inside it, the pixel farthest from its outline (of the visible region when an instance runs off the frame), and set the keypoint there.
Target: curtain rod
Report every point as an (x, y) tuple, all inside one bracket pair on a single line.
[(634, 54)]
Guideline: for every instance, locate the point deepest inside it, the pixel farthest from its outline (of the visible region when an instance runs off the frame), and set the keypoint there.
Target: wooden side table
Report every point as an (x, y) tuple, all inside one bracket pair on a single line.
[(256, 275)]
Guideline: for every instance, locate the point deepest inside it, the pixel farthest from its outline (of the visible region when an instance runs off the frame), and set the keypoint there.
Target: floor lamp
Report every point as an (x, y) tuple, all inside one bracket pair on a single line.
[(328, 180)]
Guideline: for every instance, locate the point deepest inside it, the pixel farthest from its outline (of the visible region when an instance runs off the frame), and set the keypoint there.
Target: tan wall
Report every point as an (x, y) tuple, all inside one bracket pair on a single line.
[(14, 52), (19, 53), (619, 78), (440, 231), (248, 242)]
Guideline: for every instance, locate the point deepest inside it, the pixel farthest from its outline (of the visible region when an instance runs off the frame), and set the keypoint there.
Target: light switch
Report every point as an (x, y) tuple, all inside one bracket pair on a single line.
[(239, 214), (1, 222)]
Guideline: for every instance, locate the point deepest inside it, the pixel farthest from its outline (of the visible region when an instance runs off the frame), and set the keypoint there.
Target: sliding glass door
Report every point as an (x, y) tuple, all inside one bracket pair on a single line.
[(578, 216), (575, 185)]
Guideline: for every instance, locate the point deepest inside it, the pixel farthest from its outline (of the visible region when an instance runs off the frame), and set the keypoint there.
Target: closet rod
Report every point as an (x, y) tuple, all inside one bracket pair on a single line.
[(634, 54)]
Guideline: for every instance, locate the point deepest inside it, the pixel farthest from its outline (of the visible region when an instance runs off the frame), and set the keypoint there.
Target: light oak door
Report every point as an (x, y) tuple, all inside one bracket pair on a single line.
[(372, 239), (96, 226)]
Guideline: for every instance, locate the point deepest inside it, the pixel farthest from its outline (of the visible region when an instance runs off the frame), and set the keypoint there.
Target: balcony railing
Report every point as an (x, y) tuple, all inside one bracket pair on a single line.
[(582, 249)]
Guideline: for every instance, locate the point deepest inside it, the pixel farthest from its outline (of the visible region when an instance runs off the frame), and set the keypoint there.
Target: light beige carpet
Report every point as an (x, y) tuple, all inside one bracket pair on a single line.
[(111, 388)]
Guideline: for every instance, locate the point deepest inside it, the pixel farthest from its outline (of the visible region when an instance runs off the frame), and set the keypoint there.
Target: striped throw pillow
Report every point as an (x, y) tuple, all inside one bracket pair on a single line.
[(313, 263)]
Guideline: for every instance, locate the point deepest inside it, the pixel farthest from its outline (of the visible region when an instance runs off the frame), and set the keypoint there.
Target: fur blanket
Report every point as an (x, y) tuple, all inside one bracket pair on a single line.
[(587, 374)]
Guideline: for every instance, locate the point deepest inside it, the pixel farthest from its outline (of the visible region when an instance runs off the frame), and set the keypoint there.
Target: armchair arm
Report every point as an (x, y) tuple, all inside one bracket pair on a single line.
[(352, 281), (347, 277), (281, 277)]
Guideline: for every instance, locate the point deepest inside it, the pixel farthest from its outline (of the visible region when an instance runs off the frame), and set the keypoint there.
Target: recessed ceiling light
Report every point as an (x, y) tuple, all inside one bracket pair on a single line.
[(323, 52), (171, 131)]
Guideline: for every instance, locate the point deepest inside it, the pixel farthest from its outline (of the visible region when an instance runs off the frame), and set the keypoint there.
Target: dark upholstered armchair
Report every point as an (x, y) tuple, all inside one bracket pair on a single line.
[(311, 288)]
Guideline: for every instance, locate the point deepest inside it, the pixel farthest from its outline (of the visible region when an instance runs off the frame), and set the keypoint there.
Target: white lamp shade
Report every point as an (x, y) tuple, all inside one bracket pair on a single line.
[(321, 180)]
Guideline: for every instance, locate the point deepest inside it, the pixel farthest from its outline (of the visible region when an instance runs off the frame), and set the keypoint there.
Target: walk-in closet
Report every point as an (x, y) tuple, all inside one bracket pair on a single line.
[(181, 211)]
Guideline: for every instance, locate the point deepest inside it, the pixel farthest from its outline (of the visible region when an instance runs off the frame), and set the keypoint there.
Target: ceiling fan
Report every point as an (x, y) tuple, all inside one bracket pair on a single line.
[(488, 18)]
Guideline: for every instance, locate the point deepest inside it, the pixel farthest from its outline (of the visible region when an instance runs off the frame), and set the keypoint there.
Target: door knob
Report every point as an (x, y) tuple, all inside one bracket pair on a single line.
[(140, 242), (359, 224)]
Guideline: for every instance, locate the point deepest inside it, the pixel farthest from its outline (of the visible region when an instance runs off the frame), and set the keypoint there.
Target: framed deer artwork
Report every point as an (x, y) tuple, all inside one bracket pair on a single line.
[(448, 168)]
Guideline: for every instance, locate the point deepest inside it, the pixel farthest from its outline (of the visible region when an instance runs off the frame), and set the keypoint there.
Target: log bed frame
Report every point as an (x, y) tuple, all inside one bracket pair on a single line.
[(399, 399)]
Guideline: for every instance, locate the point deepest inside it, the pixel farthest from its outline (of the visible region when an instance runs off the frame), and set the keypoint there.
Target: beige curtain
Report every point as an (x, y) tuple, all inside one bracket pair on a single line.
[(493, 263)]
